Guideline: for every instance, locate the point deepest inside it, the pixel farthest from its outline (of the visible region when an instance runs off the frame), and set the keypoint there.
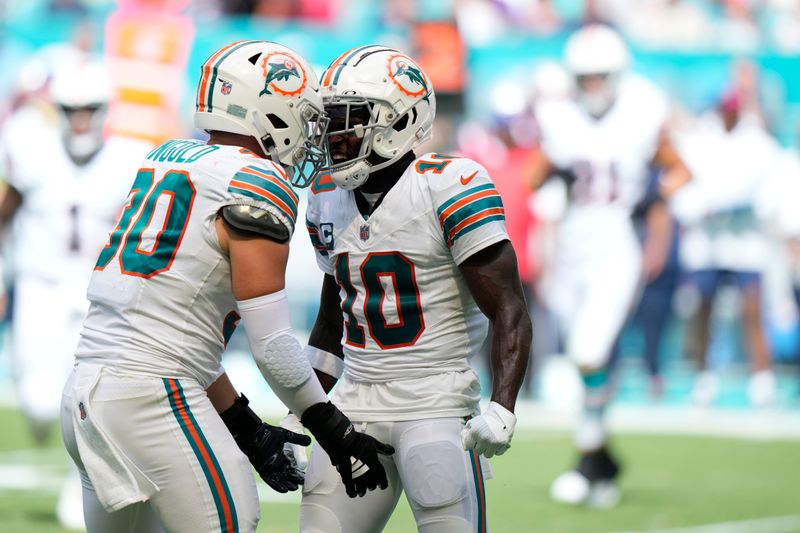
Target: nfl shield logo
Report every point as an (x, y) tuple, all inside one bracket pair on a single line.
[(364, 233), (226, 87)]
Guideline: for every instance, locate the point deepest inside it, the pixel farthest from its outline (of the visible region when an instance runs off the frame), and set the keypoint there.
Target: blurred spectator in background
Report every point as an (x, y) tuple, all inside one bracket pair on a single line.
[(731, 155), (505, 149), (63, 185), (601, 144)]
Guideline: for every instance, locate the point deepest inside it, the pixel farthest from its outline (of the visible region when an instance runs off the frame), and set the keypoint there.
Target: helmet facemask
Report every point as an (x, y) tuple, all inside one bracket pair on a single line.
[(308, 157), (356, 118)]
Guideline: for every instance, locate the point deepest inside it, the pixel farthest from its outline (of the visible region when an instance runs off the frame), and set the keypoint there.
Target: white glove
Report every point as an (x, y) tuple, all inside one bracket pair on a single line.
[(295, 452), (489, 433)]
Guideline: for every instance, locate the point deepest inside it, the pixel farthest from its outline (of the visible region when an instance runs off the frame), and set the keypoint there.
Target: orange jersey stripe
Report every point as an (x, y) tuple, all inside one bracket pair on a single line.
[(209, 464), (464, 201), (288, 190), (474, 218)]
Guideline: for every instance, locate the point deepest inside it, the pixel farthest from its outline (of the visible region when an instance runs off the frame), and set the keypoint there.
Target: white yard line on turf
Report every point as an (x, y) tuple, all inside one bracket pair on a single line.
[(774, 524)]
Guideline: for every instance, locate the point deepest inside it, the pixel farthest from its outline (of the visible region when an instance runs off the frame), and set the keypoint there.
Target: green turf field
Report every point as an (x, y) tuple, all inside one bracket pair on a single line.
[(669, 482)]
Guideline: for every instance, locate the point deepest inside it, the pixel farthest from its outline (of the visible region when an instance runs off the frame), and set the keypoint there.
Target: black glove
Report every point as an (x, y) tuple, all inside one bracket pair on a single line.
[(263, 445), (336, 435)]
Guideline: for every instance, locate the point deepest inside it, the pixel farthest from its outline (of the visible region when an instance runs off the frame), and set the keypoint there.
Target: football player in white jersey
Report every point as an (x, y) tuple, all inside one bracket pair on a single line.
[(602, 142), (725, 239), (161, 437), (64, 185), (416, 257)]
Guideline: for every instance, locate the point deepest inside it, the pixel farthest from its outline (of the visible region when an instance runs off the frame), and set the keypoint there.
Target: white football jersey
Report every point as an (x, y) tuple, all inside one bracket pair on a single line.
[(408, 315), (67, 209), (608, 157), (161, 296), (717, 209)]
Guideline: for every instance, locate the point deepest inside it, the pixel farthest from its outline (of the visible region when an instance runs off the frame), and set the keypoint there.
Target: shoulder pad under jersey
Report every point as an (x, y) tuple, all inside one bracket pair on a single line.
[(255, 220)]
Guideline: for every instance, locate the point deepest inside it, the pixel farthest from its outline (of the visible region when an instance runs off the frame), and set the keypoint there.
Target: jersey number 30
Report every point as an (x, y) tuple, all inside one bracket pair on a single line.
[(147, 236), (380, 271)]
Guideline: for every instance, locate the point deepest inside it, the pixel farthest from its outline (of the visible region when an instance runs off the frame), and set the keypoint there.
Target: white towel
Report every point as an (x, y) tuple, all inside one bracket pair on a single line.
[(117, 481)]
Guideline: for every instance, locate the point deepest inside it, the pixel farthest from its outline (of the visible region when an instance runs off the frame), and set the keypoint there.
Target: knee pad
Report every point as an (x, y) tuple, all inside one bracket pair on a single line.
[(435, 474), (312, 513), (445, 524)]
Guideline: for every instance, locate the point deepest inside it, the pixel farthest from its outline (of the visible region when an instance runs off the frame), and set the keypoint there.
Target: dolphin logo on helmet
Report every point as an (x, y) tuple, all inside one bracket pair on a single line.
[(414, 83), (279, 70)]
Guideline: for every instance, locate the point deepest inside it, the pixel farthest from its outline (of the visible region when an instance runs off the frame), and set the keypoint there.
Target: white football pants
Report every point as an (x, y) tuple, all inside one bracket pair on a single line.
[(170, 433), (443, 483), (592, 296)]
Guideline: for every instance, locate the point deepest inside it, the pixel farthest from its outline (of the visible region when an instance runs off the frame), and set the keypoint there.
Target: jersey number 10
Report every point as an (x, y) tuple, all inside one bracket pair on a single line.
[(171, 198), (378, 268)]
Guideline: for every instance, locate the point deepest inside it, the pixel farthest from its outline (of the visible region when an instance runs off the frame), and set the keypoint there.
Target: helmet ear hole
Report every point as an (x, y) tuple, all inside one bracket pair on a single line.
[(276, 121), (254, 59), (401, 124)]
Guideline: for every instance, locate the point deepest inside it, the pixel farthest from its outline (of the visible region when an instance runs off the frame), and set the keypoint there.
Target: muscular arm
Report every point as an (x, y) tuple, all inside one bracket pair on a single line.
[(675, 172), (258, 265), (327, 331), (493, 280)]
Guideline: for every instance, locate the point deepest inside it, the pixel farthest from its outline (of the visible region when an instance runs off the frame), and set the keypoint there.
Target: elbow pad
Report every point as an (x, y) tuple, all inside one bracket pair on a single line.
[(278, 353)]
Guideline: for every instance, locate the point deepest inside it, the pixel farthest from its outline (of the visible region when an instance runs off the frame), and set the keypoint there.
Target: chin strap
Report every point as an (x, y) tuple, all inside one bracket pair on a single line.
[(351, 176)]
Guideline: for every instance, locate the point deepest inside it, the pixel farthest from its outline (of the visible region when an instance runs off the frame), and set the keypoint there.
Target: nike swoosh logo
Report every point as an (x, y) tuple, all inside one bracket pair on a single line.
[(466, 180)]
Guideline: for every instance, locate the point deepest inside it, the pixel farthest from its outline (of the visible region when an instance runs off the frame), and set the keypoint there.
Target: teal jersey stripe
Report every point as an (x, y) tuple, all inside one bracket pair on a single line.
[(216, 68), (262, 198), (282, 180), (290, 200), (475, 225), (459, 196), (198, 453), (348, 58), (464, 212)]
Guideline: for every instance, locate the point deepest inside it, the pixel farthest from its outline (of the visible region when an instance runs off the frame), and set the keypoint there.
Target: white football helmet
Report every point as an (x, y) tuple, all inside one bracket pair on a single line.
[(396, 94), (265, 90), (81, 91), (596, 51)]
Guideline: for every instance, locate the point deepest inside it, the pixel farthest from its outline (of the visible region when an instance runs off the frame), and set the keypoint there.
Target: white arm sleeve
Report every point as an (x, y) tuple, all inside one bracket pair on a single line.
[(278, 353), (324, 361)]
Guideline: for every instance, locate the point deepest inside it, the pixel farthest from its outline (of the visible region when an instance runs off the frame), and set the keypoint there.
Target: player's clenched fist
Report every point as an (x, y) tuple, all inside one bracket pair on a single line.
[(354, 454), (489, 433), (263, 445)]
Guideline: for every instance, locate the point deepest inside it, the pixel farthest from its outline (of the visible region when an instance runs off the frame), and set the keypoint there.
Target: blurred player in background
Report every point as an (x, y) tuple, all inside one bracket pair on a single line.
[(161, 437), (601, 143), (731, 156), (415, 252), (64, 186)]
